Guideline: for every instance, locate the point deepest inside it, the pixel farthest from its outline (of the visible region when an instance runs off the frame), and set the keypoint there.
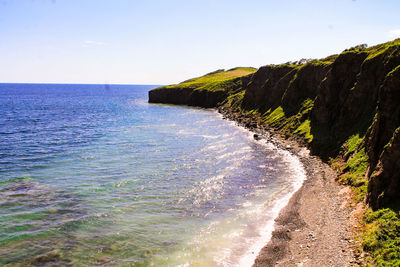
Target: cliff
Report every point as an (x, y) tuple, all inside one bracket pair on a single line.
[(206, 91), (345, 108)]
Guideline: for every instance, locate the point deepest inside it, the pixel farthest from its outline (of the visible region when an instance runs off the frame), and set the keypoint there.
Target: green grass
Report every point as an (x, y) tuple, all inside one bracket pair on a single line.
[(353, 143), (355, 176), (393, 71), (377, 50), (298, 123), (305, 130), (381, 232), (382, 236), (214, 81), (324, 61), (234, 101), (275, 117)]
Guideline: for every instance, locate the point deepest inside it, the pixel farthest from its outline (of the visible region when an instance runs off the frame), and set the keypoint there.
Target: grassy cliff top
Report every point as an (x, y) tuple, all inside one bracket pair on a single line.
[(376, 50), (213, 81), (223, 80)]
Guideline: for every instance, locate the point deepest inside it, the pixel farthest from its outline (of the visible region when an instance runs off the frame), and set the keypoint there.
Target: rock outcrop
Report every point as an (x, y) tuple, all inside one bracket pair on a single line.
[(187, 96)]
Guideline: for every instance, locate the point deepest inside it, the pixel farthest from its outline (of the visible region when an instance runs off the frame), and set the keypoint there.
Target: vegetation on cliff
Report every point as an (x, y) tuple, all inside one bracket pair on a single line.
[(382, 236), (217, 80), (345, 108), (204, 91)]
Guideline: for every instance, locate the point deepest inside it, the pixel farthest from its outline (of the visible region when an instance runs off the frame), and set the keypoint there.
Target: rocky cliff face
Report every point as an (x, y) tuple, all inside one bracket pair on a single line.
[(383, 145), (188, 96), (267, 86), (345, 106)]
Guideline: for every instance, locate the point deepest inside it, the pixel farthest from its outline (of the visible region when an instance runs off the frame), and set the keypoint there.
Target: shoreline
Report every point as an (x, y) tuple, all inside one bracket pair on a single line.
[(318, 224), (343, 108), (314, 228)]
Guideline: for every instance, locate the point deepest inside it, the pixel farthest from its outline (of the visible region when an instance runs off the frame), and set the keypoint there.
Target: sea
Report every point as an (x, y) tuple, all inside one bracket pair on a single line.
[(95, 175)]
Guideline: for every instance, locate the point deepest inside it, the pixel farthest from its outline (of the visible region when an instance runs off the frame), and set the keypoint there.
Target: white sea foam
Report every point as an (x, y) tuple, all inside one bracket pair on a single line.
[(210, 136), (296, 179), (250, 205), (215, 146), (243, 150), (298, 175), (268, 212)]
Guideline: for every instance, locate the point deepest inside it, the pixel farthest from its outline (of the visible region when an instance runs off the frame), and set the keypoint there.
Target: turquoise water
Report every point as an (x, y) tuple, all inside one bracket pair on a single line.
[(94, 175)]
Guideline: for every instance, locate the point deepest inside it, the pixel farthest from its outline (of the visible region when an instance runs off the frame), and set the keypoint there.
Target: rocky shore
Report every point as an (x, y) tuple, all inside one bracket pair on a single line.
[(345, 109), (320, 222), (314, 228)]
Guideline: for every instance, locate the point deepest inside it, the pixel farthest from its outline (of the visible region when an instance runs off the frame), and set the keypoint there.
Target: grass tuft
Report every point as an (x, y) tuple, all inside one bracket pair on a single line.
[(357, 166), (382, 236), (305, 130)]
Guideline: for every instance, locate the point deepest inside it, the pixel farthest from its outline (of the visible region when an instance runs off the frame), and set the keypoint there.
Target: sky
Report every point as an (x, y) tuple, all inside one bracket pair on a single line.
[(168, 41)]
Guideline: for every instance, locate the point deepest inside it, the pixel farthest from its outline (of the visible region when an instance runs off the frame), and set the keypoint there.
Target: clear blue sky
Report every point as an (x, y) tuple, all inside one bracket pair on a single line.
[(167, 41)]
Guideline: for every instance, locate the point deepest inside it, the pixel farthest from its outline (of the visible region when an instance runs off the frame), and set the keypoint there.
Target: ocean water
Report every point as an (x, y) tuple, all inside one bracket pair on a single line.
[(94, 175)]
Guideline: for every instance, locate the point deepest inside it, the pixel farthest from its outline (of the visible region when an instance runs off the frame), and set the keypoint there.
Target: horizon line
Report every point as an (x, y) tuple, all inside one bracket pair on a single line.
[(77, 83)]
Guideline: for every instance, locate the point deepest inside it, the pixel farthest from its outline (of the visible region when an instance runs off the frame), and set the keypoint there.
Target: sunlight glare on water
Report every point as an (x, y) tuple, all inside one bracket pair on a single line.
[(93, 174)]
